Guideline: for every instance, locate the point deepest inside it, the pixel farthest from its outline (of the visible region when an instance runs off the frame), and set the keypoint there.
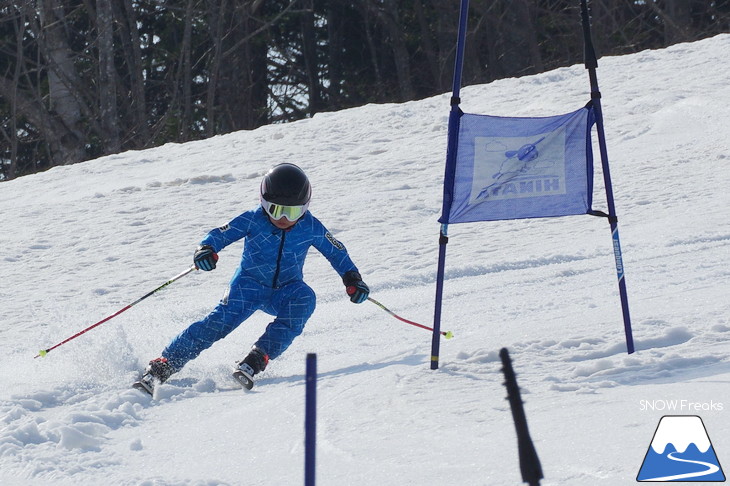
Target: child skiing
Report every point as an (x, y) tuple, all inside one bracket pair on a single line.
[(277, 234)]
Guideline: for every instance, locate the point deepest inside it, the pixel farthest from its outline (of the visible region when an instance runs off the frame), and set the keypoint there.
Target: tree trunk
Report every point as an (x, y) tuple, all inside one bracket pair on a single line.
[(216, 15), (187, 78), (137, 133), (528, 24), (427, 45), (309, 51), (380, 91), (11, 170), (62, 79), (244, 89), (335, 37), (63, 145), (677, 17), (390, 20), (107, 78)]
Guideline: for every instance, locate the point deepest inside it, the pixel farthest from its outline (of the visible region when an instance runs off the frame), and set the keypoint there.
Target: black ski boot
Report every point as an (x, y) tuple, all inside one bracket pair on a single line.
[(158, 371), (251, 365)]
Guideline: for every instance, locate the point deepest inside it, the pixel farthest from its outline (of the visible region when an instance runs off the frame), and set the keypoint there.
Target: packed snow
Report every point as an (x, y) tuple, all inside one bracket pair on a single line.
[(82, 241)]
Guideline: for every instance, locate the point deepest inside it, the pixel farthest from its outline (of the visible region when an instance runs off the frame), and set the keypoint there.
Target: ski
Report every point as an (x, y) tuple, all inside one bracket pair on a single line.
[(145, 386), (244, 379), (148, 385)]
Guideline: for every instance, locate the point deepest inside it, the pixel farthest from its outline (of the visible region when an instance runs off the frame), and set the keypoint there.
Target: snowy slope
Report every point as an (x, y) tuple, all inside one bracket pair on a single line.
[(81, 242)]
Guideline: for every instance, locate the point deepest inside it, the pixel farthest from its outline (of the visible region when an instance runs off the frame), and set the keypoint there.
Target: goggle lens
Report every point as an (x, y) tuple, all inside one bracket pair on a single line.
[(278, 211)]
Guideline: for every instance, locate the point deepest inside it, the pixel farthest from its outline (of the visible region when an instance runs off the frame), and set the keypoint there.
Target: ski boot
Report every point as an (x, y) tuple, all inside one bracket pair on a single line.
[(157, 372), (251, 365)]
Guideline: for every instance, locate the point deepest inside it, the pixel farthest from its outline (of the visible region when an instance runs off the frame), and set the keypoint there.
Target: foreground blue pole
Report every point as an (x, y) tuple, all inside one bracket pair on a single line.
[(451, 149), (591, 63), (310, 420)]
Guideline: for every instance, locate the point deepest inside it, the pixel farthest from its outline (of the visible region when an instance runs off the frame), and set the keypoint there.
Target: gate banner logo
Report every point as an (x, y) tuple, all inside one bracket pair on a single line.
[(681, 451)]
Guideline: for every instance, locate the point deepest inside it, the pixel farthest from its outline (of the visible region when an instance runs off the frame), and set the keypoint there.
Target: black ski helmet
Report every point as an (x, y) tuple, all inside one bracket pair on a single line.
[(287, 185)]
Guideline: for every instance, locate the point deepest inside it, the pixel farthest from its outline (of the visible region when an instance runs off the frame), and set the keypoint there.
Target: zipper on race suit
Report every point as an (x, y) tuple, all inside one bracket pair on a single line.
[(278, 258)]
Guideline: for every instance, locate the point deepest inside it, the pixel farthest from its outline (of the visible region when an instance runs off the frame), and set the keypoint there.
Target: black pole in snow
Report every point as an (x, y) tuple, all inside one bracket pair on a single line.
[(529, 463)]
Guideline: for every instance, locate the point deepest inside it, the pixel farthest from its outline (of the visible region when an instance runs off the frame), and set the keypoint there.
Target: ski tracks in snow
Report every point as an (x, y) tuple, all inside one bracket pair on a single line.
[(583, 364)]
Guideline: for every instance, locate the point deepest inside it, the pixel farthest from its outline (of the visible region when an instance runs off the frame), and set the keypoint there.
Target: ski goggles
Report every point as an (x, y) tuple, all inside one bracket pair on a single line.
[(278, 211)]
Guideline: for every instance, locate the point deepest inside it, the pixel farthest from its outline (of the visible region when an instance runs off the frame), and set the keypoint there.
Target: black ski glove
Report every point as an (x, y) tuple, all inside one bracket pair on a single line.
[(205, 258), (355, 287)]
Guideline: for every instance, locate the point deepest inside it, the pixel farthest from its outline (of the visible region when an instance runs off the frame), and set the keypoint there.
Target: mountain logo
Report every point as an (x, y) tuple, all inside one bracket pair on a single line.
[(681, 451)]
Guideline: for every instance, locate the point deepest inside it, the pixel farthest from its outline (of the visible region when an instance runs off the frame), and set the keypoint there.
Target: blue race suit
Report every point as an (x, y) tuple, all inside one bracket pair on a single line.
[(269, 279)]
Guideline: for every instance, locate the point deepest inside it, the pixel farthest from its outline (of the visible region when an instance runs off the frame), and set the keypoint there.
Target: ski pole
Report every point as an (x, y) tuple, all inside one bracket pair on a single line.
[(44, 352), (446, 334)]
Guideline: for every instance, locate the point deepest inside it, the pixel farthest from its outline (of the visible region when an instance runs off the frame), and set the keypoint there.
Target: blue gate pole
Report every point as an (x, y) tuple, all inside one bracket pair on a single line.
[(310, 420), (591, 64), (452, 144)]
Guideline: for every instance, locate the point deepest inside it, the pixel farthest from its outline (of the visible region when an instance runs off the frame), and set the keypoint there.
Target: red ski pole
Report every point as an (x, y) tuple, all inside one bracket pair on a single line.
[(446, 334), (44, 352)]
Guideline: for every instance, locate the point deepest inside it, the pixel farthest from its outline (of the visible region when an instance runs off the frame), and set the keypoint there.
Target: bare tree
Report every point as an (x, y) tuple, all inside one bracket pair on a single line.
[(108, 112), (387, 12), (82, 78), (134, 92), (677, 19), (309, 55), (64, 85)]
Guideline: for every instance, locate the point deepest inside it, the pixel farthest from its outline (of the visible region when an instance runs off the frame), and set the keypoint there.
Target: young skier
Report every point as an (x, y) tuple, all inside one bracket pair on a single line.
[(277, 234)]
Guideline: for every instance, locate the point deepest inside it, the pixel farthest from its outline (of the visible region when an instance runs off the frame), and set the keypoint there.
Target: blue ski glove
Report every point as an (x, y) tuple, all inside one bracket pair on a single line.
[(205, 258), (355, 287)]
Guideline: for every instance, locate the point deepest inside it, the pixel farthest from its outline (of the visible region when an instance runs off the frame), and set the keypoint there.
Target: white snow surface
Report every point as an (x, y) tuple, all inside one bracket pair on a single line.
[(83, 241)]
